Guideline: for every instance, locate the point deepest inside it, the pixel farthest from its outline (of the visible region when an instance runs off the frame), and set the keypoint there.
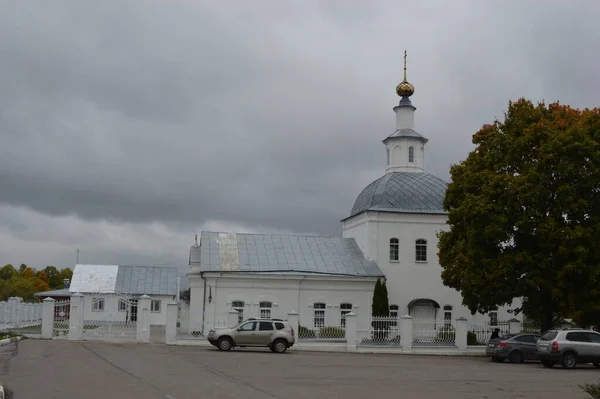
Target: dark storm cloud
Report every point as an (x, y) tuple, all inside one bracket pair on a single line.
[(262, 113)]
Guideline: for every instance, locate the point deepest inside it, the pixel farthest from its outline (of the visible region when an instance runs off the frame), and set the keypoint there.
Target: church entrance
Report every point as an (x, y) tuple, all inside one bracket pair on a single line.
[(424, 312)]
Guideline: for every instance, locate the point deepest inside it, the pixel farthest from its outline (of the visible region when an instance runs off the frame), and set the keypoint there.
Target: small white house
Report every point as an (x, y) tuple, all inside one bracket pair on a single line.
[(270, 275), (111, 291)]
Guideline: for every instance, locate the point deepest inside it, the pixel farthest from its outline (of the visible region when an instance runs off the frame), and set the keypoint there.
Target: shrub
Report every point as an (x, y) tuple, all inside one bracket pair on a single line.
[(332, 332), (304, 332), (592, 389)]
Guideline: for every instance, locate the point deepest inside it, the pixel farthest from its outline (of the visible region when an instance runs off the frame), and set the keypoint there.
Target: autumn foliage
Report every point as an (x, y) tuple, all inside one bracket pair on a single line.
[(26, 281), (524, 214)]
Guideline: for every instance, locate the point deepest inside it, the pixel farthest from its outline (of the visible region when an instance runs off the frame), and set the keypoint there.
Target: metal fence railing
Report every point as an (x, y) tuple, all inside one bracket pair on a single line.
[(325, 333), (383, 332), (432, 332)]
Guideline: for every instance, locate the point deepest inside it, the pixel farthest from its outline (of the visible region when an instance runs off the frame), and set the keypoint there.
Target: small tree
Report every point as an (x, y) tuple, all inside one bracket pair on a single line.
[(380, 308)]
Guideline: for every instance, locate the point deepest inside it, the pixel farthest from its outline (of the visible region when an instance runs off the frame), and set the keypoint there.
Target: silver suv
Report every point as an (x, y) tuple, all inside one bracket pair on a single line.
[(569, 347), (276, 334)]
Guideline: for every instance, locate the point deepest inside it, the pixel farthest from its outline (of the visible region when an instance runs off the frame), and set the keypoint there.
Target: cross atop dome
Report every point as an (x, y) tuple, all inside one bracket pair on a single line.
[(405, 89)]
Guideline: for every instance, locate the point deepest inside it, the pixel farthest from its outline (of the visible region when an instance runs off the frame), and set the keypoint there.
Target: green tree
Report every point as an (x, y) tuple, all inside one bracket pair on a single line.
[(524, 214), (380, 305), (7, 272), (53, 275)]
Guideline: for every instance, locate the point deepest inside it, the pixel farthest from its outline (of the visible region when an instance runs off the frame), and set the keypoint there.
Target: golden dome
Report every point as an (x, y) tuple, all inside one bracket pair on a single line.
[(405, 89)]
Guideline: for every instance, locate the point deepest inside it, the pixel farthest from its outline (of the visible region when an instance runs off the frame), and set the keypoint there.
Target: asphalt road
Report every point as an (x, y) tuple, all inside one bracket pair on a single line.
[(93, 370)]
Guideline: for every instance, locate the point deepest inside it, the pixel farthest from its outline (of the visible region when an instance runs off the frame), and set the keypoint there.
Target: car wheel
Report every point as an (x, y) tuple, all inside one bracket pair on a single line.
[(569, 360), (597, 365), (279, 346), (515, 357), (548, 364), (225, 344)]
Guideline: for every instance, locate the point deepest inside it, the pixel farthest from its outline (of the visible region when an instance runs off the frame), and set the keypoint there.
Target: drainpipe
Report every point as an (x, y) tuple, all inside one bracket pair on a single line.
[(203, 302)]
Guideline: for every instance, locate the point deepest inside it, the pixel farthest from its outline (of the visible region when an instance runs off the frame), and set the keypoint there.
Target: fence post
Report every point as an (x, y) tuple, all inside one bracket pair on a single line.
[(293, 319), (171, 324), (350, 331), (48, 318), (406, 332), (76, 317), (232, 318), (460, 338), (143, 326), (514, 326)]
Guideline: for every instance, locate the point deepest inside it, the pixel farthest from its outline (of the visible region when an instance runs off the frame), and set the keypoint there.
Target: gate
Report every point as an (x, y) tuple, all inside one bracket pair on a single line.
[(62, 313), (110, 317)]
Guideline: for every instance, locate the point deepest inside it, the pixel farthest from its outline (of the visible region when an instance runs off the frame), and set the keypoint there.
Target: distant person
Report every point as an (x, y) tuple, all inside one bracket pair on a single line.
[(495, 334)]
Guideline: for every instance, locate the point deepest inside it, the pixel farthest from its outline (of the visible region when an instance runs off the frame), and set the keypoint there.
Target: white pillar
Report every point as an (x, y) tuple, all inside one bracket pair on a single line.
[(293, 319), (514, 326), (406, 333), (143, 321), (171, 324), (232, 318), (76, 317), (48, 318), (350, 331), (461, 334)]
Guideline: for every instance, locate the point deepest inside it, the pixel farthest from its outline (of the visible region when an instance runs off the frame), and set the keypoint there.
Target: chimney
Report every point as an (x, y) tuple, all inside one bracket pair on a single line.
[(67, 283)]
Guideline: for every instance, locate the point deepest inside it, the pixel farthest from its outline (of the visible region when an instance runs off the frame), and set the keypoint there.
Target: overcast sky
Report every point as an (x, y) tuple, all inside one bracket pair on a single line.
[(126, 126)]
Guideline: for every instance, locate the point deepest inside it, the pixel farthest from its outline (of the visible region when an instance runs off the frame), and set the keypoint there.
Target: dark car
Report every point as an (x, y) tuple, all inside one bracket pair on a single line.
[(515, 347)]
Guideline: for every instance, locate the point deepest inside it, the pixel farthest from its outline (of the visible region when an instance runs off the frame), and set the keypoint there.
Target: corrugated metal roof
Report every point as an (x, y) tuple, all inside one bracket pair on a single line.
[(45, 294), (405, 192), (282, 253), (124, 279)]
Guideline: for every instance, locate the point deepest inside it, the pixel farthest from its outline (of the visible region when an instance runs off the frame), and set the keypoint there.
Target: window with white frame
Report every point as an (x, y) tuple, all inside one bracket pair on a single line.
[(447, 315), (238, 306), (345, 308), (318, 315), (493, 318), (394, 249), (265, 309), (394, 309), (155, 305), (411, 154), (98, 304), (421, 250), (123, 305)]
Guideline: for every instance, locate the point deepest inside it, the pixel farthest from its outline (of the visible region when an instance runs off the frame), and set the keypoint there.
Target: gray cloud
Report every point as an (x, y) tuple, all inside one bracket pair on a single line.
[(267, 114)]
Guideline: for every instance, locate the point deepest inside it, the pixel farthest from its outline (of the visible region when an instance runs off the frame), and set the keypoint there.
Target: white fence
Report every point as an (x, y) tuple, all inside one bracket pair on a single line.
[(197, 327), (432, 332), (19, 317), (325, 333), (382, 332), (479, 334)]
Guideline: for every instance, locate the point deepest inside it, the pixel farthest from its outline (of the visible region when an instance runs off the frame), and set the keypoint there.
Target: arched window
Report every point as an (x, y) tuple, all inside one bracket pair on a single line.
[(493, 318), (411, 154), (345, 308), (394, 249), (238, 306), (421, 250), (447, 315), (265, 309), (319, 315)]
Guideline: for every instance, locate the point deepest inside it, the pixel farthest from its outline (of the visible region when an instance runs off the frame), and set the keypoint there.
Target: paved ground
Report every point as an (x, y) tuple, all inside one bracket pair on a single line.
[(93, 370)]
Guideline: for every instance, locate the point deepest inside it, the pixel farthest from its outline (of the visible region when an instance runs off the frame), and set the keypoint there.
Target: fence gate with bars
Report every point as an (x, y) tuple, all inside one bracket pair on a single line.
[(109, 316), (61, 315)]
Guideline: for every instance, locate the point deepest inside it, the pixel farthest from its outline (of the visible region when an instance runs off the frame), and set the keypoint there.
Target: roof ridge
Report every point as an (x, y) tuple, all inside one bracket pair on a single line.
[(271, 234)]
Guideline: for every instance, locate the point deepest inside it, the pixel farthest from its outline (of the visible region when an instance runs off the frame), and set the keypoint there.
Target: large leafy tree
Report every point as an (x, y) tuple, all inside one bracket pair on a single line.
[(524, 214), (27, 281)]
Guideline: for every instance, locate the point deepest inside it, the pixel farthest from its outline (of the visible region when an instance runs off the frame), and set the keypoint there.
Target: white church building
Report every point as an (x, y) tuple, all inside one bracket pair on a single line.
[(391, 232)]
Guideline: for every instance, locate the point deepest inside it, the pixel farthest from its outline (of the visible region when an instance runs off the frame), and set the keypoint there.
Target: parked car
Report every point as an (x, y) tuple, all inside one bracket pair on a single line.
[(275, 334), (569, 347), (515, 347)]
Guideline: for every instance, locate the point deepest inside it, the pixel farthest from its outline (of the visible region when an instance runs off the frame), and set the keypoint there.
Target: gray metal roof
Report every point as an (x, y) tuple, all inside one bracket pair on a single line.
[(62, 292), (146, 280), (120, 279), (234, 252), (406, 133), (405, 192)]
